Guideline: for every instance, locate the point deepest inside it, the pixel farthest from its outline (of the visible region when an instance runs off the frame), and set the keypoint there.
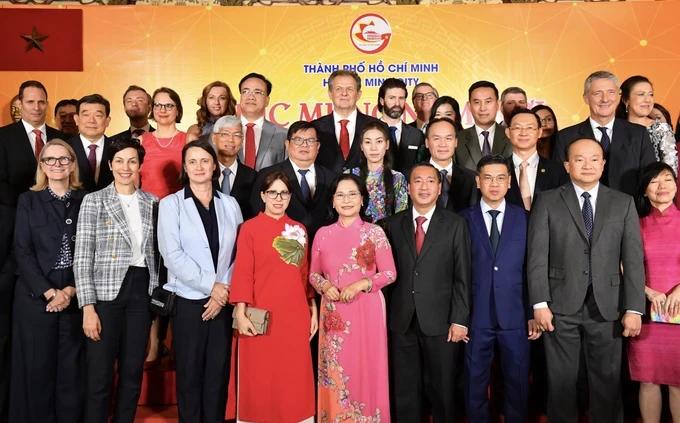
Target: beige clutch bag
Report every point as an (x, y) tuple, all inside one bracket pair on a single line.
[(258, 317)]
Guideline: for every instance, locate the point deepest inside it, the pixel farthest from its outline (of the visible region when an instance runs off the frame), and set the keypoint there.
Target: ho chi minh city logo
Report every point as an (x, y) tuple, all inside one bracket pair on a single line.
[(370, 33)]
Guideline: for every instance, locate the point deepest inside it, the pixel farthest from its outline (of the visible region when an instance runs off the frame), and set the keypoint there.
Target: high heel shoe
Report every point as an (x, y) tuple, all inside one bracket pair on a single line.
[(156, 363)]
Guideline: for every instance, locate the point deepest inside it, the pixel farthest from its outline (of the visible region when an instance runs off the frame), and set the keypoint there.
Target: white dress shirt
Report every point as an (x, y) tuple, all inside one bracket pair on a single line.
[(532, 169), (488, 219), (31, 135), (397, 134), (130, 206), (448, 168), (310, 177), (232, 177), (257, 129), (146, 128), (598, 133), (351, 126), (99, 152), (492, 134)]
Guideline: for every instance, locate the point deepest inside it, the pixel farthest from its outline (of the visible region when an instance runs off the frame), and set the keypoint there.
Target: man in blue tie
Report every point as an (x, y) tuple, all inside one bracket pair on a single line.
[(501, 313)]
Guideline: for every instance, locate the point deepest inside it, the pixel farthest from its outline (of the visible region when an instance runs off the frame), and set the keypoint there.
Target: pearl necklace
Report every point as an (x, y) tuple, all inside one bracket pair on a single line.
[(171, 139)]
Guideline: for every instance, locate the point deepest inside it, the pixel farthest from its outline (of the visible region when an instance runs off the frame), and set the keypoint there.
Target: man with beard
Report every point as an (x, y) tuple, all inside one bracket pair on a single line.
[(404, 139), (424, 96), (137, 104), (63, 117)]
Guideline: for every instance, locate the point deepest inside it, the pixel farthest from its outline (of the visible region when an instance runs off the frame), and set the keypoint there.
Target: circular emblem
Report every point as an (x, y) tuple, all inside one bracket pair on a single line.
[(370, 33)]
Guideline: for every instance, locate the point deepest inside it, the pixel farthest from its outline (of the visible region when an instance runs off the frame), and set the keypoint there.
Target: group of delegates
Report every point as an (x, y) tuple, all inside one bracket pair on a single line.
[(424, 242)]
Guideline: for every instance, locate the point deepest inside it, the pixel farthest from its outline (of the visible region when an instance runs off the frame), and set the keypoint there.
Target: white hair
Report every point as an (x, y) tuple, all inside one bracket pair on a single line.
[(228, 121)]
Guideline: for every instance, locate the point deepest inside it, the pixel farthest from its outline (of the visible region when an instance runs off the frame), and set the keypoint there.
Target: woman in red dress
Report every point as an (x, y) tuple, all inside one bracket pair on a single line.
[(275, 379), (653, 356)]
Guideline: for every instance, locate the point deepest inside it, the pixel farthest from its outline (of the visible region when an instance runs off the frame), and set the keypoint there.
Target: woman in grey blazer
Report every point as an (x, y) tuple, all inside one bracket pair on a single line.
[(115, 270)]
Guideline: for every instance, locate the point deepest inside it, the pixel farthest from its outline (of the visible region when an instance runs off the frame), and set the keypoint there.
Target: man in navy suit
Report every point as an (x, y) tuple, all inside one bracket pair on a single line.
[(500, 306)]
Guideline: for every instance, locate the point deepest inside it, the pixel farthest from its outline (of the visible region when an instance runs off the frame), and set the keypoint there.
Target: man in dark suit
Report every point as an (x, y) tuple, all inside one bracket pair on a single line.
[(404, 139), (340, 132), (532, 173), (236, 179), (137, 104), (91, 145), (424, 96), (64, 112), (264, 141), (429, 304), (309, 202), (500, 305), (459, 190), (627, 146), (586, 283), (486, 136)]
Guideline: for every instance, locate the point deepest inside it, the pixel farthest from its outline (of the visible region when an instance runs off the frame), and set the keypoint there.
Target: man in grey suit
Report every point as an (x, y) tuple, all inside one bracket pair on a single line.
[(264, 142), (586, 283), (404, 139), (486, 136)]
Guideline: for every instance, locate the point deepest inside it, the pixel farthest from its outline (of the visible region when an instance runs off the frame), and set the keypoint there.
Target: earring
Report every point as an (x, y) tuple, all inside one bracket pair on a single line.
[(362, 204), (626, 107)]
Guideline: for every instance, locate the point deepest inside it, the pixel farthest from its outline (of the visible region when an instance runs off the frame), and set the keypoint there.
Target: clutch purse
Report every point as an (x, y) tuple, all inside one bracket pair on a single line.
[(664, 318), (258, 317), (163, 302)]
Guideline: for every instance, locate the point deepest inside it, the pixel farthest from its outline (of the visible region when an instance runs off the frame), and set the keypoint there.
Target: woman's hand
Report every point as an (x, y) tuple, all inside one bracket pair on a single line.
[(350, 291), (658, 300), (220, 294), (314, 326), (331, 292), (672, 305), (59, 302), (212, 309), (91, 324), (245, 326)]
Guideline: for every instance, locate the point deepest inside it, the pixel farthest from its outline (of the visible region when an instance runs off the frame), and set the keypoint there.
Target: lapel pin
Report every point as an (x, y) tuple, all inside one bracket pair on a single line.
[(542, 170)]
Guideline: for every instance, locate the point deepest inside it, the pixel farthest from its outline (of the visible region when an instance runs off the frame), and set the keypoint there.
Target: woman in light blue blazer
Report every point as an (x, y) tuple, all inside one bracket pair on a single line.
[(197, 229)]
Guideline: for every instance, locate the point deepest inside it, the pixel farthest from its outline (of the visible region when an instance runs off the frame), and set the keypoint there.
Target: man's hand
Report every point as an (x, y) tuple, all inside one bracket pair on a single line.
[(457, 333), (534, 331), (632, 323), (543, 317)]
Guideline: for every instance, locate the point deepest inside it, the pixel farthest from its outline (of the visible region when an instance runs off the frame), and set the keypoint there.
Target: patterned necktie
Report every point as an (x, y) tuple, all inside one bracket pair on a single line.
[(344, 138), (446, 186), (393, 136), (39, 144), (587, 212), (92, 158), (524, 188), (495, 234), (605, 141), (304, 185), (420, 233), (249, 155), (226, 184), (486, 149)]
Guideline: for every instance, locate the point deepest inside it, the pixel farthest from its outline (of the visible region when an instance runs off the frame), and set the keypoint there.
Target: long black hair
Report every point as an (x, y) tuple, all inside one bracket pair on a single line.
[(388, 178), (649, 172), (553, 137), (445, 99), (361, 187)]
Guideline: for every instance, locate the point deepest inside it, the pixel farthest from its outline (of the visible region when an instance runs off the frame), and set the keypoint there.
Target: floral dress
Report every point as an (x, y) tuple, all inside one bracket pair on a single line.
[(663, 141), (353, 377), (376, 191)]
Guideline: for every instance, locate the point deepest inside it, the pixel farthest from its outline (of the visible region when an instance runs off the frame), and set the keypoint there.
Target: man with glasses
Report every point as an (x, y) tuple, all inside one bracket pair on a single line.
[(264, 141), (137, 103), (236, 179), (512, 98), (423, 98), (532, 173), (310, 198)]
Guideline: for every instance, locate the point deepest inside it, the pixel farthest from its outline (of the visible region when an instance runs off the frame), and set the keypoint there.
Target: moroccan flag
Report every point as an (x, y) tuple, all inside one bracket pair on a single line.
[(41, 39)]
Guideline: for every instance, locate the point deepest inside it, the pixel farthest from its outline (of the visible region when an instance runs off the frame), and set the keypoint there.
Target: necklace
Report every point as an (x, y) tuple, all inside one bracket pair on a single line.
[(171, 139), (128, 203)]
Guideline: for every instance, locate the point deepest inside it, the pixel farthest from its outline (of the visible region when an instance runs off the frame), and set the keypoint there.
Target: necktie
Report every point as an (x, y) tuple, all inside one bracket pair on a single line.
[(420, 233), (137, 133), (92, 158), (39, 144), (587, 212), (424, 129), (486, 149), (226, 187), (605, 141), (249, 156), (495, 234), (344, 138), (446, 186), (393, 136), (524, 188), (304, 185)]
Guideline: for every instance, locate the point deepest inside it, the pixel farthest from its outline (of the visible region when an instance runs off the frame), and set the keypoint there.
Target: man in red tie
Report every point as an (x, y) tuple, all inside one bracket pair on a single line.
[(137, 103), (340, 131), (264, 143)]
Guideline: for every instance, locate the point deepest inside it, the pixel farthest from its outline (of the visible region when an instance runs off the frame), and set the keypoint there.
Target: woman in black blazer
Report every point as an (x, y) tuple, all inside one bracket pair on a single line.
[(48, 340)]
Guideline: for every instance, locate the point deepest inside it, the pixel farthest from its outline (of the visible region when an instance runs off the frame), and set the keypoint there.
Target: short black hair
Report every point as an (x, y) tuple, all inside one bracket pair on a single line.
[(568, 147), (647, 173), (30, 84), (206, 146), (438, 120), (258, 76), (121, 143), (174, 97), (482, 84), (94, 99), (361, 185), (301, 125), (65, 102), (493, 159), (524, 112), (424, 164), (388, 84)]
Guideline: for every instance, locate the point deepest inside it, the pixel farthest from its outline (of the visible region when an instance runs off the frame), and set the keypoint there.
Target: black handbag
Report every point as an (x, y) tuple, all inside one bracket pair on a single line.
[(163, 302)]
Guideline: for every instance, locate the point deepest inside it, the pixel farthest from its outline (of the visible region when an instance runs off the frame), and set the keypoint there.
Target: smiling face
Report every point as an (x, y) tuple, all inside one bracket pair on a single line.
[(57, 172), (484, 107), (125, 166), (423, 99), (92, 121), (524, 132), (136, 104), (276, 207), (602, 98), (199, 165), (513, 101), (424, 187), (641, 100), (34, 106), (661, 190), (163, 115), (217, 101), (347, 199), (228, 140)]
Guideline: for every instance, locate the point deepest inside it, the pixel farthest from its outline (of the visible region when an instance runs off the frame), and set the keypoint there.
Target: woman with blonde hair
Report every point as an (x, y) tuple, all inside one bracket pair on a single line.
[(215, 101), (48, 341)]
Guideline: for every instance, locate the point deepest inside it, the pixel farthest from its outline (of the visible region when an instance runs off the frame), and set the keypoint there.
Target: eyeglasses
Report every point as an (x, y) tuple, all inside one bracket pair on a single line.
[(547, 119), (352, 195), (257, 93), (487, 179), (272, 195), (51, 161), (232, 135), (428, 96), (159, 106), (529, 129), (301, 141)]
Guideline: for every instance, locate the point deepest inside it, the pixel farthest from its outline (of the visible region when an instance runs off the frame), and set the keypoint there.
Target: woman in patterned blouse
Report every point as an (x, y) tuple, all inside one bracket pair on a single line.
[(387, 188)]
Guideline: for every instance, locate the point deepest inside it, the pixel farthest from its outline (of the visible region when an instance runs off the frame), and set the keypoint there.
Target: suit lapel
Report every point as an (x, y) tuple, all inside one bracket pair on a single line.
[(266, 137), (83, 165), (586, 130), (472, 145), (499, 143), (24, 147), (116, 213), (195, 218), (409, 231), (480, 226), (602, 202), (542, 176), (569, 196), (239, 179), (433, 231), (320, 184), (288, 168), (619, 139), (355, 148), (146, 211)]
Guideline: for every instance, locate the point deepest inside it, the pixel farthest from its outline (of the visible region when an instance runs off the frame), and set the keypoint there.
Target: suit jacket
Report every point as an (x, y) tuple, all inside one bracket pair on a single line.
[(17, 161), (435, 284), (272, 148), (468, 152), (406, 154), (501, 276), (85, 173), (559, 252), (185, 248), (243, 188), (103, 252), (128, 133), (549, 175), (631, 149), (463, 192), (313, 215), (330, 155)]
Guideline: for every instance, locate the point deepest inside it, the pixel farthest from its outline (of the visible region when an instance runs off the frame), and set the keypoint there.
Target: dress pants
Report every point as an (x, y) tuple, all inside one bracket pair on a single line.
[(416, 357), (602, 346), (203, 357), (125, 327), (47, 357), (514, 348), (5, 353)]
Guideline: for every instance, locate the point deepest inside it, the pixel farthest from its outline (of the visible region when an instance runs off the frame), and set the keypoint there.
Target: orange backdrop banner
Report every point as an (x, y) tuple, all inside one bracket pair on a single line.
[(547, 49)]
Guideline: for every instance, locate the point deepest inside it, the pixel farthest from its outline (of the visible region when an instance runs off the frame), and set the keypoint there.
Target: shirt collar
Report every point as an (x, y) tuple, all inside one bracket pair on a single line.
[(485, 207), (609, 125), (146, 128), (352, 118), (397, 125), (258, 122), (593, 191), (233, 167), (189, 193), (532, 160), (86, 142), (427, 215), (491, 131), (29, 128), (448, 168), (311, 169)]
